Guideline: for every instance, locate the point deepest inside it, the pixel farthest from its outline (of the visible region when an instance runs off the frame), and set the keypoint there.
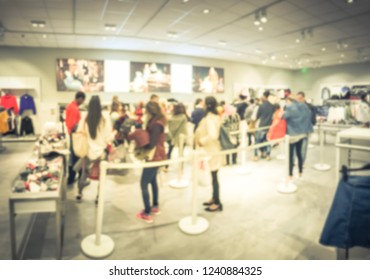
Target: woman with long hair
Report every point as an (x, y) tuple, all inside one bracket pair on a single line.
[(98, 128), (207, 137), (177, 126), (155, 127)]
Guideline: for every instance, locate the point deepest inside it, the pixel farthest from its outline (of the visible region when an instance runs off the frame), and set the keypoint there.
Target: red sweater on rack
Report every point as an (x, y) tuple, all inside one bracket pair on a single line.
[(9, 101)]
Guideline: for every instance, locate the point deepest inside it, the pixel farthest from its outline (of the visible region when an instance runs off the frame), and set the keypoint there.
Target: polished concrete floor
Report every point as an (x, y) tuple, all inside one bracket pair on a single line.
[(258, 222)]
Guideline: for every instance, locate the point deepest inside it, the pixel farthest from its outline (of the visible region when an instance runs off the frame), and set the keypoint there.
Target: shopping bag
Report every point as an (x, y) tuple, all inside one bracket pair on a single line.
[(80, 145), (94, 172)]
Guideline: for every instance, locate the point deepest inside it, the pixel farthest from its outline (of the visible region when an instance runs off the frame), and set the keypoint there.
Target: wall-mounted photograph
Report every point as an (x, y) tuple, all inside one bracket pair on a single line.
[(208, 79), (80, 74), (150, 77)]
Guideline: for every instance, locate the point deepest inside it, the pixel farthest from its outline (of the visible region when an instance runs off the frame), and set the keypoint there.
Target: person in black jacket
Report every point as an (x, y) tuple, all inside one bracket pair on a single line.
[(301, 97), (198, 113)]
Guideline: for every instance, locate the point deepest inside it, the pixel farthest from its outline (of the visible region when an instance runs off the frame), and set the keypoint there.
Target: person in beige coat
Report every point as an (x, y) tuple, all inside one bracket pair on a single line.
[(207, 137)]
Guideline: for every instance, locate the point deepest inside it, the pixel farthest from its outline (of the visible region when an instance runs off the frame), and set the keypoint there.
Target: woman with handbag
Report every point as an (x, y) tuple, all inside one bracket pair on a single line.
[(155, 127), (98, 128), (207, 137)]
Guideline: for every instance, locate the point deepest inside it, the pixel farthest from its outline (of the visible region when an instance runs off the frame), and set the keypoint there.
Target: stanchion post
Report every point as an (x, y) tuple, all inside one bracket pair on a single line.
[(194, 224), (243, 168), (281, 156), (180, 182), (287, 187), (97, 245), (321, 166)]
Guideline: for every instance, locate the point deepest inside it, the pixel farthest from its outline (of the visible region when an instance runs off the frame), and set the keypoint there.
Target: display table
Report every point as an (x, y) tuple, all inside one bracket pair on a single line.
[(38, 202)]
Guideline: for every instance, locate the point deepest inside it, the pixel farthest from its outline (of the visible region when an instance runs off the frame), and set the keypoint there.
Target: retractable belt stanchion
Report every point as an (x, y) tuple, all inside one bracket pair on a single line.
[(321, 166), (98, 245), (194, 224), (281, 156), (243, 168), (2, 148), (287, 187), (180, 182)]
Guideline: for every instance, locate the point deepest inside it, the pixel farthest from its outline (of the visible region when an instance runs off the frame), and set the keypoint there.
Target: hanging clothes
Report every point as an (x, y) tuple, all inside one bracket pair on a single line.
[(26, 126), (12, 122), (9, 101), (4, 126), (27, 103), (348, 222)]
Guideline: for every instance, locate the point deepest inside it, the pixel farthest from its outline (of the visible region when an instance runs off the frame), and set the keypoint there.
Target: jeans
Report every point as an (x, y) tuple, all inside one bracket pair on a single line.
[(149, 176), (231, 159), (261, 138), (304, 149), (72, 161), (295, 147), (216, 188), (348, 221)]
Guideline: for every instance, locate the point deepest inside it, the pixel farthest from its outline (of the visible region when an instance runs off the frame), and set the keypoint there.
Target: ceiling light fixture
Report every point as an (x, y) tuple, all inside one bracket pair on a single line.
[(341, 44), (38, 23), (258, 51), (350, 1), (260, 28), (342, 55), (110, 27), (206, 11), (44, 36), (263, 16), (239, 54), (172, 34), (257, 19), (297, 40), (185, 1), (222, 43), (323, 49), (273, 57), (286, 56)]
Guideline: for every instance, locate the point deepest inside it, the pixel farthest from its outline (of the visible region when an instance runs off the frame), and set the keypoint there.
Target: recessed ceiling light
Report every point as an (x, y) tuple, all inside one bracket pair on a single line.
[(350, 1), (206, 11), (323, 49), (260, 28), (38, 23), (222, 43), (44, 36), (172, 34), (258, 51), (342, 55), (286, 56), (273, 57), (297, 40), (185, 1), (110, 27), (239, 54), (341, 61)]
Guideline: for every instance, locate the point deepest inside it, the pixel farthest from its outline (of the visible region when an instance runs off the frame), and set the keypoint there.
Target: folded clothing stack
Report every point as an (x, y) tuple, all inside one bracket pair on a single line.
[(39, 176)]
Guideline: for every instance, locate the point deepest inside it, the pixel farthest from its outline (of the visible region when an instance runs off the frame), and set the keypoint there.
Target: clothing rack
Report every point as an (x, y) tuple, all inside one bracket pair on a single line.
[(348, 141)]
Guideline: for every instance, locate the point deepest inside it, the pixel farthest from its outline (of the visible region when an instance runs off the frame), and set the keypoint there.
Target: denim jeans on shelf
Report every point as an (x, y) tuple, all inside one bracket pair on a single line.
[(261, 138), (149, 176)]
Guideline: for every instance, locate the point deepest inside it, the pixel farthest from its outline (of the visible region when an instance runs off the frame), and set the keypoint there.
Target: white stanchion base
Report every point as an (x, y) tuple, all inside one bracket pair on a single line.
[(243, 170), (287, 188), (321, 166), (90, 249), (311, 146), (280, 157), (186, 225), (178, 184)]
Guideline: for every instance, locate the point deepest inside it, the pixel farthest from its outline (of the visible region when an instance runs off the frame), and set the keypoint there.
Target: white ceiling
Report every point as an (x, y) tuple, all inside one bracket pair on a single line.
[(143, 25)]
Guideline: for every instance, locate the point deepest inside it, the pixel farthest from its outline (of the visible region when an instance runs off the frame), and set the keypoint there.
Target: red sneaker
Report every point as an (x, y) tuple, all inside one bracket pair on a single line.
[(156, 210), (145, 217)]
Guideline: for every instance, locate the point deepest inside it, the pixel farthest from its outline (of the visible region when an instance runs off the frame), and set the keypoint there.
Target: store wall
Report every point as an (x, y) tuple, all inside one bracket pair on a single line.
[(312, 81), (40, 62)]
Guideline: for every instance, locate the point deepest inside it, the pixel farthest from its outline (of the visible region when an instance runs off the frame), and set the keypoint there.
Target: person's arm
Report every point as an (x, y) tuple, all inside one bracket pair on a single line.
[(154, 135)]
